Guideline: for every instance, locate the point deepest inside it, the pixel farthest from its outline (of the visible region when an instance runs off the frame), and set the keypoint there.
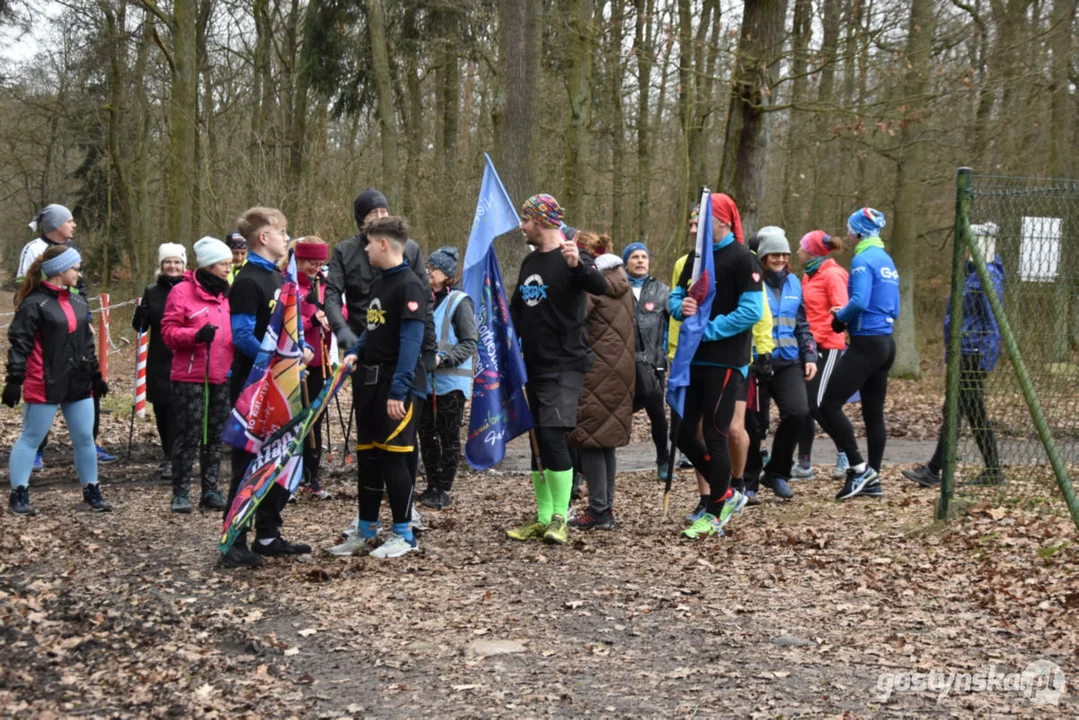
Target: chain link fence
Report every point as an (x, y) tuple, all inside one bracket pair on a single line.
[(1012, 412)]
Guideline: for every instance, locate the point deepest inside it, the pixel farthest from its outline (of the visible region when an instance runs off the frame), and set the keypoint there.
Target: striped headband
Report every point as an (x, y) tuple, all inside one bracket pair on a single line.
[(64, 261)]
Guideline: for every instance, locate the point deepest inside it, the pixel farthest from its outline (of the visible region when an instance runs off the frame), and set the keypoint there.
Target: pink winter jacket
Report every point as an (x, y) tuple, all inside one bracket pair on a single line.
[(187, 309)]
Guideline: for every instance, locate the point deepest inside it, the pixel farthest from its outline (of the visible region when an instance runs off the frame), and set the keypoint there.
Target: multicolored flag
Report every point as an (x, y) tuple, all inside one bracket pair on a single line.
[(702, 288), (279, 460), (273, 395), (499, 408)]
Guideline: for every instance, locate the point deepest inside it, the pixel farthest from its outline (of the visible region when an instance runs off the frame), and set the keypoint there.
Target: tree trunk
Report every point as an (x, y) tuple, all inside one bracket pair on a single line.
[(685, 116), (414, 129), (746, 140), (643, 50), (618, 129), (183, 126), (579, 80), (519, 45), (387, 118), (913, 171), (822, 169), (298, 184), (796, 170)]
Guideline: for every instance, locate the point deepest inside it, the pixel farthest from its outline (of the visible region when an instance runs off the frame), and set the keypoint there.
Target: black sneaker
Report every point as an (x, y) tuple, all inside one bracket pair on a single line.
[(777, 485), (239, 556), (91, 495), (279, 546), (924, 476), (20, 501), (164, 470), (858, 483), (684, 463), (873, 490), (433, 498), (180, 503), (212, 500)]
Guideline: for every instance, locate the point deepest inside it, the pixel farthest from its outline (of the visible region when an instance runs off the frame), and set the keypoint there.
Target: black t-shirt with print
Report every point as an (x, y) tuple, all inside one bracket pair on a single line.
[(737, 271), (396, 296), (254, 292), (548, 310)]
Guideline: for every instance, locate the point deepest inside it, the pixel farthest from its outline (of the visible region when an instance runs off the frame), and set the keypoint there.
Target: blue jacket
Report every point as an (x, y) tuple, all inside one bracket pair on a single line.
[(790, 330), (874, 294), (980, 333)]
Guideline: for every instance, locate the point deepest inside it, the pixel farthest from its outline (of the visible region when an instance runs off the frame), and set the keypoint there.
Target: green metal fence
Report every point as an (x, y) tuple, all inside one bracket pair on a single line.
[(1012, 431)]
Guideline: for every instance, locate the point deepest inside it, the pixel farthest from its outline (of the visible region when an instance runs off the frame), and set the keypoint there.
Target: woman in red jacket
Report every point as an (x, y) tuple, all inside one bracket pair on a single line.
[(52, 365), (824, 286), (197, 328)]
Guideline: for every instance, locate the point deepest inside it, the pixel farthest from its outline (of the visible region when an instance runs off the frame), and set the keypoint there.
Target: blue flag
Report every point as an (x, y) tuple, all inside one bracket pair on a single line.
[(499, 408), (702, 288)]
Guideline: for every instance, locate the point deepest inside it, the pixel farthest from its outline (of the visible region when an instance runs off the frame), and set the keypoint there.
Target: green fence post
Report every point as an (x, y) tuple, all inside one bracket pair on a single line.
[(1006, 336), (951, 385)]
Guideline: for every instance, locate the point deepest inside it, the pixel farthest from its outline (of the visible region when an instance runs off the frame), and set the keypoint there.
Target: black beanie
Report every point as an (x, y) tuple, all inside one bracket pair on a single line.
[(367, 201)]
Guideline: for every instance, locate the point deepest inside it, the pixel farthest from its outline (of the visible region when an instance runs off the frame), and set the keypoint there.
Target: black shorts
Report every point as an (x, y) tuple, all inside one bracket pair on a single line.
[(375, 429), (553, 399)]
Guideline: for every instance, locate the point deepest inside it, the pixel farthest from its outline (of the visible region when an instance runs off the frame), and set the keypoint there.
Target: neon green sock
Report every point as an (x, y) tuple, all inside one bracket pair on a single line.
[(543, 497), (561, 483)]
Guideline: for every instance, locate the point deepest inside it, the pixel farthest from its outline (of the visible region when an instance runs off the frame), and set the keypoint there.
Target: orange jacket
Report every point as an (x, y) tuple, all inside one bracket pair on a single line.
[(822, 291)]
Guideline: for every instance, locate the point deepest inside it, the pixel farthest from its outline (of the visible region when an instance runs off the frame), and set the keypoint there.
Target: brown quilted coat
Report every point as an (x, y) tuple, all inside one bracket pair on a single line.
[(605, 414)]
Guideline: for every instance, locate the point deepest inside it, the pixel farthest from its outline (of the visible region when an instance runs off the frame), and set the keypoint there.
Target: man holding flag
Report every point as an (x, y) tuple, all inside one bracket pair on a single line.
[(549, 307), (718, 297)]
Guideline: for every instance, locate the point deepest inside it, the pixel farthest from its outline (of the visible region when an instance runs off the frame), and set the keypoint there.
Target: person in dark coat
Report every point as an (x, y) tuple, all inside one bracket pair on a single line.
[(171, 263)]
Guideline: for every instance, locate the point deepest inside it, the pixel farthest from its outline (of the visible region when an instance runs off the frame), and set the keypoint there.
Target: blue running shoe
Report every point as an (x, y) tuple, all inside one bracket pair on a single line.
[(104, 458), (865, 483), (842, 465)]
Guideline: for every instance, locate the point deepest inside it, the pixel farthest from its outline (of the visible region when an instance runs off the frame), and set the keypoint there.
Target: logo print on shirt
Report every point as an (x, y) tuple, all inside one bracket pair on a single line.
[(649, 306), (756, 277), (376, 316), (533, 291), (413, 305), (889, 274)]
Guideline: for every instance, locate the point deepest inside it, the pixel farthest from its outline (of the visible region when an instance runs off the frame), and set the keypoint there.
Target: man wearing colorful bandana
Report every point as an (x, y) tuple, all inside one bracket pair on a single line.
[(720, 365), (548, 311)]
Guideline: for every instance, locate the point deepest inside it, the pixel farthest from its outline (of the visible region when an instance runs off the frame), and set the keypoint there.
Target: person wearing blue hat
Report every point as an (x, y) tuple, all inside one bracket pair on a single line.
[(650, 320), (869, 317)]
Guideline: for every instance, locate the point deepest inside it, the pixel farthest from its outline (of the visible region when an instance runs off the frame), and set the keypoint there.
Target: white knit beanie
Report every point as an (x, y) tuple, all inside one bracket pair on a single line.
[(210, 250), (772, 241), (171, 250)]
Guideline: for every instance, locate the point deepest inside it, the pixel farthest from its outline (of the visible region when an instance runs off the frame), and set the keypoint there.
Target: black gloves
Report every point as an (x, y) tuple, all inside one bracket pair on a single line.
[(101, 388), (762, 367), (206, 333), (12, 392), (838, 325)]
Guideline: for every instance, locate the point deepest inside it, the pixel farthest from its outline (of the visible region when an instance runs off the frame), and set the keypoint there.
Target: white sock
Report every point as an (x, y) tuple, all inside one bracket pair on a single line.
[(859, 468), (266, 541)]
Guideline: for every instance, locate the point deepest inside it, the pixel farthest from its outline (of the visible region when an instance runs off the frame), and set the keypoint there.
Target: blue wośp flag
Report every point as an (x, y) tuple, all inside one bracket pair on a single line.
[(702, 288), (499, 408)]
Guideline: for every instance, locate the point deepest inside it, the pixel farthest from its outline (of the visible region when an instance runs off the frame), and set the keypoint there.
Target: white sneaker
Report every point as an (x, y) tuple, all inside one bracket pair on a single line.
[(352, 527), (417, 520), (353, 546), (396, 546)]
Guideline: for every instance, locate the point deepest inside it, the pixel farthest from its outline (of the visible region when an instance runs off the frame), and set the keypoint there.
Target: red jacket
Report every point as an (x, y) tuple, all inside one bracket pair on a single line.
[(187, 309), (308, 309), (822, 291)]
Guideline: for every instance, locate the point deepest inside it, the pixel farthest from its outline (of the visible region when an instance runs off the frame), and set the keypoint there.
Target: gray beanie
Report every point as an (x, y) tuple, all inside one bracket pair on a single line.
[(445, 259), (772, 241), (50, 218)]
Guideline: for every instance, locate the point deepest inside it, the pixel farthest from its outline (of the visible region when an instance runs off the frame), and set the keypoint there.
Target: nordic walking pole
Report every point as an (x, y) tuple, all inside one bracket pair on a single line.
[(676, 420), (206, 400), (134, 395)]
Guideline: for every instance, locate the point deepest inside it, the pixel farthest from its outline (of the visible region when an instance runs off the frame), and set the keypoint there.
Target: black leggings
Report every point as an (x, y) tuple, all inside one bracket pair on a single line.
[(815, 389), (657, 416), (312, 451), (864, 367), (972, 407), (554, 449), (166, 427), (440, 438), (711, 396), (787, 388)]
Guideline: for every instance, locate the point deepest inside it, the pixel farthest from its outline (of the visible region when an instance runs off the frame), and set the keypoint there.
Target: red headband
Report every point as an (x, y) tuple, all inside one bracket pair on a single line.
[(312, 251), (724, 210)]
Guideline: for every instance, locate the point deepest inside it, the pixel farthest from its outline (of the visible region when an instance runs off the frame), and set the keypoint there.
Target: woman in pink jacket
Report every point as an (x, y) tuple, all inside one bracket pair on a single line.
[(197, 328)]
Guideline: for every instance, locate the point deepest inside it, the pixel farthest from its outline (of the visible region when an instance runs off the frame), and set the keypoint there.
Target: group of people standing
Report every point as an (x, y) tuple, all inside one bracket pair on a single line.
[(598, 331)]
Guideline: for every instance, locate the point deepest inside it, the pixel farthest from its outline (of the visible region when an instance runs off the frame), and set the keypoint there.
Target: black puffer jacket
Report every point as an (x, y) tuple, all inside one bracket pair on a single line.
[(158, 358), (52, 349), (351, 275)]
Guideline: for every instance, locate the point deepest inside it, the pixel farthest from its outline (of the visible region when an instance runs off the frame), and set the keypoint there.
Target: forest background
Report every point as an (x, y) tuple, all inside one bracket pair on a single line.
[(161, 121)]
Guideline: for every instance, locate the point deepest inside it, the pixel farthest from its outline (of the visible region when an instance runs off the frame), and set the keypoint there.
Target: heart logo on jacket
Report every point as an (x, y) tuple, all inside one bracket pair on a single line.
[(649, 306), (756, 277), (413, 305)]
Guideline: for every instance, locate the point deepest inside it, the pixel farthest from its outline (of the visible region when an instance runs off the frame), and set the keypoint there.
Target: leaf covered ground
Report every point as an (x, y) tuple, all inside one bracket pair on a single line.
[(799, 611)]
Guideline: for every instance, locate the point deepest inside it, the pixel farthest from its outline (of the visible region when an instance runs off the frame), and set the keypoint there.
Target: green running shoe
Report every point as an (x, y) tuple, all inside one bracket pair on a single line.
[(731, 506), (529, 531), (706, 526), (556, 532)]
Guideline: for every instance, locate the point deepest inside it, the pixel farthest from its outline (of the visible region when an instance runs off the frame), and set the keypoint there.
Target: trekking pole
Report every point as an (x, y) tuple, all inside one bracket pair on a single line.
[(348, 433), (676, 420), (134, 396), (206, 400)]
